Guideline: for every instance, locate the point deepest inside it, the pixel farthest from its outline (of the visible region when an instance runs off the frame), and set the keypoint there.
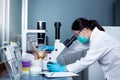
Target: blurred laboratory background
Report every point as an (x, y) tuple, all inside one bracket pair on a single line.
[(106, 12)]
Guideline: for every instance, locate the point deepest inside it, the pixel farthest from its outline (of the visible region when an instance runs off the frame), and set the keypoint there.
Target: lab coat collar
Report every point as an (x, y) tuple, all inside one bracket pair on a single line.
[(94, 32)]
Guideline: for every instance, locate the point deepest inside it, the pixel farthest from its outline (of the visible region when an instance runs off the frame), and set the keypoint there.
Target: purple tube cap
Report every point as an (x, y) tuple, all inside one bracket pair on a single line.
[(26, 63)]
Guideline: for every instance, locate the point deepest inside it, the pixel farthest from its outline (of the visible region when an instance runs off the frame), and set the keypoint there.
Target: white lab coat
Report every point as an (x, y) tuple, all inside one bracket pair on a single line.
[(104, 49)]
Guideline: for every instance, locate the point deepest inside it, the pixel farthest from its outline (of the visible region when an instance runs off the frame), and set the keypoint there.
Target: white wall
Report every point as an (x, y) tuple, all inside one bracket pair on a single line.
[(113, 31)]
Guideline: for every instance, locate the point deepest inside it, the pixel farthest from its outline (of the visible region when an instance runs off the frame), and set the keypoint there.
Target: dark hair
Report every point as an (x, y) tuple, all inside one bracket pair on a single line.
[(82, 23)]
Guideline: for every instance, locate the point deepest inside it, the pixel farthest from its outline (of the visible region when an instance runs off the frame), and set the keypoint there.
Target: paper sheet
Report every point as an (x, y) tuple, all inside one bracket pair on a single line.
[(59, 74)]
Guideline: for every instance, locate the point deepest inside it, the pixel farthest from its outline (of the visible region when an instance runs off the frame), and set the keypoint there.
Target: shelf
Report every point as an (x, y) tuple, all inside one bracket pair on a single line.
[(35, 31)]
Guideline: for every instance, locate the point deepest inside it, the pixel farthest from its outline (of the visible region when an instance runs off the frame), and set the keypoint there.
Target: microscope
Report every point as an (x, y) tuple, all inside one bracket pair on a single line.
[(58, 47)]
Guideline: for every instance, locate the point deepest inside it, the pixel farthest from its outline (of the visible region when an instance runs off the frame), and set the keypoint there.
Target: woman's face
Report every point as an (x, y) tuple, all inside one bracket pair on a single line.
[(84, 32)]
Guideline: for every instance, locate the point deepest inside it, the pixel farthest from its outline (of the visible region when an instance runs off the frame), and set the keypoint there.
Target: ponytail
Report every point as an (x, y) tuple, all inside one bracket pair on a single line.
[(96, 24)]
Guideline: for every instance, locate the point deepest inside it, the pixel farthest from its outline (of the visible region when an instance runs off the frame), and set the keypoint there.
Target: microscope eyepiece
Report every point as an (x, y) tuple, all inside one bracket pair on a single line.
[(57, 24), (57, 30), (41, 25)]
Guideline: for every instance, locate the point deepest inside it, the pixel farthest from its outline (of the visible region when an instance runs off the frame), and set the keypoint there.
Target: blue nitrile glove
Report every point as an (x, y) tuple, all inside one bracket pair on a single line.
[(46, 48), (55, 67)]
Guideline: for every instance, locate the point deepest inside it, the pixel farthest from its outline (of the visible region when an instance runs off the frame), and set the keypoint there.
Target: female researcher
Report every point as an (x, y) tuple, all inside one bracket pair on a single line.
[(102, 48)]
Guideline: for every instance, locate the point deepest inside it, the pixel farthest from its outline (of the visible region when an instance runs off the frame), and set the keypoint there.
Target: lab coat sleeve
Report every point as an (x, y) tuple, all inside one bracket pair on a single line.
[(93, 54), (68, 54)]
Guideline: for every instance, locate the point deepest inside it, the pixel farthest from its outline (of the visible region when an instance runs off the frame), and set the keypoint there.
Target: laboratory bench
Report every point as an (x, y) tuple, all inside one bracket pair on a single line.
[(5, 76), (35, 77)]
